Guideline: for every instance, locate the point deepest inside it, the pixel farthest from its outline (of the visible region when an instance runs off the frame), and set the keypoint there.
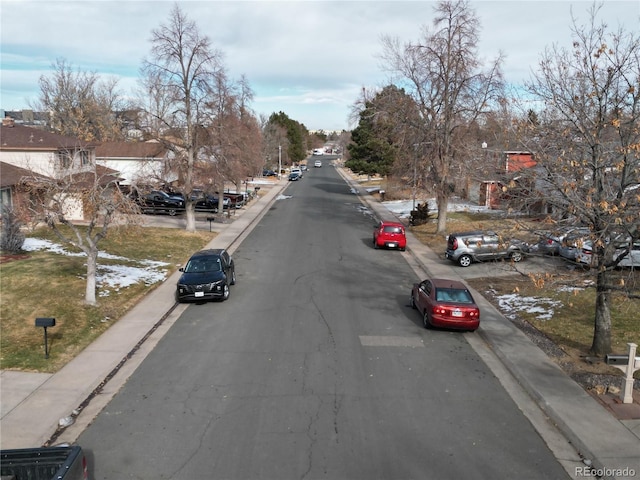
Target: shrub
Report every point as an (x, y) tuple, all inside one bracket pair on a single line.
[(11, 237)]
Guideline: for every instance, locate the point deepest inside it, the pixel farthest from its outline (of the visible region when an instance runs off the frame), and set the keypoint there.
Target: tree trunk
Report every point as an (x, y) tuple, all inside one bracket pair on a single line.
[(90, 288), (602, 330), (191, 217), (443, 203)]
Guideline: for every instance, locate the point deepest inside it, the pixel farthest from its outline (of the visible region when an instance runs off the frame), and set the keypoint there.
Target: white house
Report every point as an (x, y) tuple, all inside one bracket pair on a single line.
[(48, 155), (138, 163)]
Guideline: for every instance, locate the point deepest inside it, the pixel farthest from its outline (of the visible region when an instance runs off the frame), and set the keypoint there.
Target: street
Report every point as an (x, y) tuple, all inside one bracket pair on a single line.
[(316, 367)]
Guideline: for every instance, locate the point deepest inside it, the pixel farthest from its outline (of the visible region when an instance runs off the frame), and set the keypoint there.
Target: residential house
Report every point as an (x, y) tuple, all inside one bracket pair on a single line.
[(45, 156), (17, 189), (138, 163), (491, 193)]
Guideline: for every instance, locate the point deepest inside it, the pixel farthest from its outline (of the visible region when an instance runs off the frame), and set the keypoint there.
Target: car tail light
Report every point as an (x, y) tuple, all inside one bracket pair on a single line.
[(454, 244), (438, 310)]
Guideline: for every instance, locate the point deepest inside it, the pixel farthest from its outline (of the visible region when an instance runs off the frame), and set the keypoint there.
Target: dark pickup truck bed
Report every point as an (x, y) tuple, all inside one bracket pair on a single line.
[(49, 463)]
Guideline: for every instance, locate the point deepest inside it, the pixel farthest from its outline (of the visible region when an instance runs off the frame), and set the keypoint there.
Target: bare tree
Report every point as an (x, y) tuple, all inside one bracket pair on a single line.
[(81, 104), (587, 146), (443, 73), (96, 194), (185, 69)]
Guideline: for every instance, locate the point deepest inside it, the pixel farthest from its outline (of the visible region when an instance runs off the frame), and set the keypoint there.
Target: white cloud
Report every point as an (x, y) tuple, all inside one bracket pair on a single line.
[(318, 52)]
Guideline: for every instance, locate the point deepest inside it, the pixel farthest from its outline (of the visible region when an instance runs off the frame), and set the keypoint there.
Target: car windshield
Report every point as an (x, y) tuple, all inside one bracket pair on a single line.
[(201, 265), (453, 295)]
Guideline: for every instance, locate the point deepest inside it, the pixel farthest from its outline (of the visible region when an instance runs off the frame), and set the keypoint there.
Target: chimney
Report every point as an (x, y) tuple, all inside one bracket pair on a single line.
[(8, 122)]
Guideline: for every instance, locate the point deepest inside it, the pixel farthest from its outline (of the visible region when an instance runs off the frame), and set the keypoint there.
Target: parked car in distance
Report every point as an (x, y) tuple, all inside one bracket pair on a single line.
[(206, 276), (572, 243), (478, 246), (389, 235), (293, 176), (445, 303), (318, 151), (158, 201), (631, 260), (303, 167), (551, 241), (317, 164), (269, 173), (297, 170)]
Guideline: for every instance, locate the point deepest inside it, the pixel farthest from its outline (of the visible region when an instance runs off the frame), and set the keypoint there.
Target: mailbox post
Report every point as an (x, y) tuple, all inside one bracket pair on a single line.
[(44, 323), (628, 364)]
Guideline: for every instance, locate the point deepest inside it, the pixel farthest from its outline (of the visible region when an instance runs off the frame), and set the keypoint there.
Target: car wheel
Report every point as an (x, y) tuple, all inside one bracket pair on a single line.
[(516, 256), (425, 320), (225, 292), (413, 301), (464, 260), (233, 276)]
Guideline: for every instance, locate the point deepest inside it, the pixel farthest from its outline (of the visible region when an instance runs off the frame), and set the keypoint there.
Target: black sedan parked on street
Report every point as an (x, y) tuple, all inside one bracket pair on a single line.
[(206, 276)]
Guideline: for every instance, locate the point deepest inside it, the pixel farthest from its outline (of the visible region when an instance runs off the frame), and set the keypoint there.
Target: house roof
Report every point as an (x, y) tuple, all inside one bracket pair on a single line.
[(20, 137), (11, 175), (104, 175), (129, 150)]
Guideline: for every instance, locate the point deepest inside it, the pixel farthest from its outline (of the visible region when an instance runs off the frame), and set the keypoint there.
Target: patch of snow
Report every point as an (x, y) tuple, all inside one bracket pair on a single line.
[(402, 208), (543, 308), (109, 277)]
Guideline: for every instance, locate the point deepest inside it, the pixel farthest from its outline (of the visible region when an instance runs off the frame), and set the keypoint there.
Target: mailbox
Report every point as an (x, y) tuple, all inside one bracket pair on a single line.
[(628, 364), (45, 322)]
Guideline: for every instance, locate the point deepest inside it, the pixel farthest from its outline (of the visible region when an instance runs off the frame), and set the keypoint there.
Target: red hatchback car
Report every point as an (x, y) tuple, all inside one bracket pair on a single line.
[(389, 235), (445, 303)]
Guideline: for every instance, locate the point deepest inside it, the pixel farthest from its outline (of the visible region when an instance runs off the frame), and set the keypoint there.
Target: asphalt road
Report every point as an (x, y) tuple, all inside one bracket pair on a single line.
[(316, 367)]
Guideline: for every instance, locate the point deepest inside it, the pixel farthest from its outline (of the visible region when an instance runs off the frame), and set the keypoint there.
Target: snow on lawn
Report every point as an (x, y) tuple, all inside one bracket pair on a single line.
[(402, 208), (109, 277), (542, 308)]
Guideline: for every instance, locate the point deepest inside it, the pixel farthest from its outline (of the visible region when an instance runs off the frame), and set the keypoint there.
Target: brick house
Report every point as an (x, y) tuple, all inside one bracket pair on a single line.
[(491, 193)]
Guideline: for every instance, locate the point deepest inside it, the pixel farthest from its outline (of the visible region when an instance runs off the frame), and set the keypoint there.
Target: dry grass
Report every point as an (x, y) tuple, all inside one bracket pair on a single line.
[(45, 284)]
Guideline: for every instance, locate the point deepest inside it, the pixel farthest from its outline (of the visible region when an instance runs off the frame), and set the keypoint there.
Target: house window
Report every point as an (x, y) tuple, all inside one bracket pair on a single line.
[(5, 197), (85, 158), (64, 159)]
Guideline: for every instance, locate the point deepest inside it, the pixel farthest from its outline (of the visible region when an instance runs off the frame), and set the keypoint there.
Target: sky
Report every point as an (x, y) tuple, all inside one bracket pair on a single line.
[(308, 59)]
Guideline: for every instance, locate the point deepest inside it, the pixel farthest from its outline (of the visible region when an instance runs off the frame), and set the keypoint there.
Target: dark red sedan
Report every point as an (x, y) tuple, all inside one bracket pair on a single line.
[(389, 235), (445, 303)]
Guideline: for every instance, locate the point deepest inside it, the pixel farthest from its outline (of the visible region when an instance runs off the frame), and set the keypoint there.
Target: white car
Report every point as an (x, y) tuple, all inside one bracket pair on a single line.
[(317, 164), (318, 151), (632, 259), (296, 170)]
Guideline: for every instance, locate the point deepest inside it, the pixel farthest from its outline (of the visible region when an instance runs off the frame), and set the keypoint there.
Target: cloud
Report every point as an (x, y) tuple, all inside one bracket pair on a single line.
[(312, 57)]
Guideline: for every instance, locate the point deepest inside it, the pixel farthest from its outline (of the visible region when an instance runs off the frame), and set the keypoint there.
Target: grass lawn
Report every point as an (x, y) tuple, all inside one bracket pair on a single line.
[(46, 284)]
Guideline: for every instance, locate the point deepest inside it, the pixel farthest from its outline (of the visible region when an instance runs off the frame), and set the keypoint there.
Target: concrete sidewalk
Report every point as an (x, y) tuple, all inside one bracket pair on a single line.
[(33, 404)]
